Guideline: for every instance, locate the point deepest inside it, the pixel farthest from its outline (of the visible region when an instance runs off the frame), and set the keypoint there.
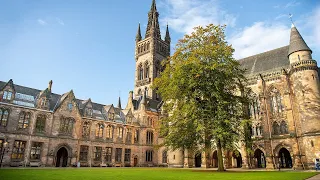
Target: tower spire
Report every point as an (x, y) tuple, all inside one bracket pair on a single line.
[(167, 38), (138, 36), (297, 43), (119, 103), (153, 28)]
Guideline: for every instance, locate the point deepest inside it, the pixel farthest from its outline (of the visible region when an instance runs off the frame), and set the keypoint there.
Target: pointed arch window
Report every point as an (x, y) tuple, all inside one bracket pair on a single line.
[(86, 130), (254, 108), (66, 126), (136, 136), (4, 114), (164, 157), (24, 119), (147, 69), (129, 136), (120, 132), (275, 100), (109, 133), (99, 131), (283, 128), (40, 123), (276, 128), (140, 72)]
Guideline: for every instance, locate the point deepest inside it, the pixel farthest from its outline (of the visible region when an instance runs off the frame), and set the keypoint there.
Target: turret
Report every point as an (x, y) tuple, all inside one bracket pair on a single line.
[(167, 38), (138, 36)]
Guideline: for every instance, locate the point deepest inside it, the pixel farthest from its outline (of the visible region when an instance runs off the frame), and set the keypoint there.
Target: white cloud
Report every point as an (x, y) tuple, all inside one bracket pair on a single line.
[(42, 22), (60, 21), (258, 38), (184, 15), (292, 4)]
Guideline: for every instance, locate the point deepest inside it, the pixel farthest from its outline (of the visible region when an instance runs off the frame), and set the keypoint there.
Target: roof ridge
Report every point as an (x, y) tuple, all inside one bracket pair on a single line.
[(262, 53)]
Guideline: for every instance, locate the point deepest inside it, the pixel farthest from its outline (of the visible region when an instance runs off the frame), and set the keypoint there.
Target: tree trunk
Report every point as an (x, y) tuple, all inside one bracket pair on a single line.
[(220, 158)]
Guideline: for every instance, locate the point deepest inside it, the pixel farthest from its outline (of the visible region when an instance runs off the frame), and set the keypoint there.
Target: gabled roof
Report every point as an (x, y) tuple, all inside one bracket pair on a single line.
[(266, 61)]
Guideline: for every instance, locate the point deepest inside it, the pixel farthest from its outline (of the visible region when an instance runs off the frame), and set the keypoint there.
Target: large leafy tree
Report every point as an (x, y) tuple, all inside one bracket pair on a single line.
[(201, 88)]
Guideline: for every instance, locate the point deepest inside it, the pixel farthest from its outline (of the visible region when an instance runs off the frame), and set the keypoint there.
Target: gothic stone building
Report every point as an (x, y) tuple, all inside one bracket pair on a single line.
[(48, 129)]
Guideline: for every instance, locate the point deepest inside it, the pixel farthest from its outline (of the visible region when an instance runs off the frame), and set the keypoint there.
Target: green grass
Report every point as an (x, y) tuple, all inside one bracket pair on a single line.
[(145, 174)]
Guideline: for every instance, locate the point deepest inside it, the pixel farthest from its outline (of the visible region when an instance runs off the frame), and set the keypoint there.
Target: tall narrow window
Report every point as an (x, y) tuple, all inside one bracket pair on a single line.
[(24, 119), (127, 155), (283, 127), (84, 153), (97, 153), (70, 106), (120, 132), (111, 116), (276, 106), (109, 134), (18, 150), (108, 154), (129, 136), (118, 154), (149, 137), (276, 128), (99, 131), (136, 136), (86, 130), (147, 70), (140, 72), (35, 153), (149, 156), (4, 113), (40, 123), (164, 156)]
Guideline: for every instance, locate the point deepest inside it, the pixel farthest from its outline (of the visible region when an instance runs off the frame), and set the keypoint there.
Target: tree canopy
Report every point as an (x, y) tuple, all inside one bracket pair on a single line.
[(201, 88)]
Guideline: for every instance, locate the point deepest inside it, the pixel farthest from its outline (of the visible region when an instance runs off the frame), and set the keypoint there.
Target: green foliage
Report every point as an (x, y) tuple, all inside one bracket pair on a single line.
[(200, 86)]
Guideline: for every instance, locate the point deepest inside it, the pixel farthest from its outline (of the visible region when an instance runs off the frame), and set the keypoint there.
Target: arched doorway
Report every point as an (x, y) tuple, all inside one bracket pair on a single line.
[(237, 159), (135, 161), (197, 160), (62, 157), (285, 158), (260, 159), (215, 159)]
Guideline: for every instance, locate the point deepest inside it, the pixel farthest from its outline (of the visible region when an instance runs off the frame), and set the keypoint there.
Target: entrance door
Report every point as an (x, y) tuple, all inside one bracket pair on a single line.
[(260, 159), (197, 160), (135, 161), (285, 158), (62, 157), (237, 159), (215, 159)]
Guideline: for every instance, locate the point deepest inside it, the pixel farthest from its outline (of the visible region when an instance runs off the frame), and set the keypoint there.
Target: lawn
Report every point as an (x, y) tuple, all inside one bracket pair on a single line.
[(144, 174)]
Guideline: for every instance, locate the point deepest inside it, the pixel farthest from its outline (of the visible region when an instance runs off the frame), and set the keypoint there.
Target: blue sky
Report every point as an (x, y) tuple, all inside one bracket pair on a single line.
[(88, 46)]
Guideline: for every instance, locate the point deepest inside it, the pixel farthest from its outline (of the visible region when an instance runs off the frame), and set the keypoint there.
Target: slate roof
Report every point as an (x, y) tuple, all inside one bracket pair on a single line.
[(297, 43), (267, 61)]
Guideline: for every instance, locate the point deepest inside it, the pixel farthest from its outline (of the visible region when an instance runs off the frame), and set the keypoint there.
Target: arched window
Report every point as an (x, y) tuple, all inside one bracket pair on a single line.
[(4, 113), (254, 107), (24, 119), (276, 107), (129, 136), (146, 91), (136, 136), (86, 130), (259, 130), (164, 157), (99, 131), (120, 132), (66, 126), (140, 72), (276, 128), (149, 137), (283, 127), (146, 67), (109, 132), (40, 123)]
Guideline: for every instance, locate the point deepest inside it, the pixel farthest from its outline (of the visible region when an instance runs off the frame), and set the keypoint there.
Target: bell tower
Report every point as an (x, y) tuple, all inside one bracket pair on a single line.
[(149, 52)]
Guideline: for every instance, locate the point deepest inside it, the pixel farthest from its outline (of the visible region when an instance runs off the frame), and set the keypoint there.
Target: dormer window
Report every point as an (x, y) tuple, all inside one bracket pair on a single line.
[(70, 106), (111, 116), (7, 95), (88, 112)]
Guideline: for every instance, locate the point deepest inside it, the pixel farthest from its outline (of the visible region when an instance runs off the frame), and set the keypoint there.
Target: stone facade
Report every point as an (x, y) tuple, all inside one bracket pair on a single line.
[(47, 129)]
